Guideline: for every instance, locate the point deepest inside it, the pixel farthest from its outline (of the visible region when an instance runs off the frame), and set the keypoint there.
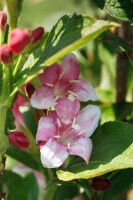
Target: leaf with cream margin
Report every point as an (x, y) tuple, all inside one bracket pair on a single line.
[(69, 33), (112, 150)]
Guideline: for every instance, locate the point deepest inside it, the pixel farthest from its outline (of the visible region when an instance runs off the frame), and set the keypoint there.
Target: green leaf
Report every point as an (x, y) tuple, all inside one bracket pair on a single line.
[(23, 157), (20, 188), (112, 150), (63, 194), (119, 9), (30, 187), (121, 182), (29, 117), (70, 33), (61, 189)]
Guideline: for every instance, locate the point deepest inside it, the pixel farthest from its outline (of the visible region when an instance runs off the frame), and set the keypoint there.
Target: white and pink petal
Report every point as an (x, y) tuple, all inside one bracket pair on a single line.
[(46, 129), (53, 154), (67, 110), (43, 98), (50, 75), (88, 119), (83, 91), (82, 147), (70, 68)]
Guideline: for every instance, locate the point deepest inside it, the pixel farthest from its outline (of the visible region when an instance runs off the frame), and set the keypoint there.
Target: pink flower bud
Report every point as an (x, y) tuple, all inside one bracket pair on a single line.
[(6, 54), (19, 40), (37, 34), (29, 89), (3, 20), (19, 140), (100, 184)]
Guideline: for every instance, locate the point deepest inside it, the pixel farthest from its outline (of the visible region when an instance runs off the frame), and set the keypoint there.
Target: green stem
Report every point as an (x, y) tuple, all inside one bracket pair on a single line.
[(5, 86), (17, 66), (3, 111), (33, 147), (1, 37)]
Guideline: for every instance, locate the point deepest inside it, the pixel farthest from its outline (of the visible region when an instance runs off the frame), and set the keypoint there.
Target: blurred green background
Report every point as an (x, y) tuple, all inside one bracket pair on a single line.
[(47, 12)]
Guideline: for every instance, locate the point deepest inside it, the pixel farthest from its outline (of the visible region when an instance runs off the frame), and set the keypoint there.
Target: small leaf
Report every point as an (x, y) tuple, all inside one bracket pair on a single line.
[(119, 9), (112, 150)]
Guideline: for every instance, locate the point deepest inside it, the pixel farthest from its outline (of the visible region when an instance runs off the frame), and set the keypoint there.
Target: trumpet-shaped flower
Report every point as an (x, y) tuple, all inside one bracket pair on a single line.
[(62, 81), (61, 140)]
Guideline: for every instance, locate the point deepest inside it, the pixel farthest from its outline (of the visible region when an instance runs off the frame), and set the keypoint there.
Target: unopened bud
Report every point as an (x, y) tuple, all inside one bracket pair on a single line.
[(6, 54), (37, 34), (3, 20), (19, 140), (29, 89), (20, 38), (101, 184)]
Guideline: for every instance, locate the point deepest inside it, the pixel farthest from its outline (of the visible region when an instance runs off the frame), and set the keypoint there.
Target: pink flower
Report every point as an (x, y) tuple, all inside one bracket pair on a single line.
[(20, 38), (62, 81), (3, 20), (6, 54), (61, 140), (19, 140), (37, 34)]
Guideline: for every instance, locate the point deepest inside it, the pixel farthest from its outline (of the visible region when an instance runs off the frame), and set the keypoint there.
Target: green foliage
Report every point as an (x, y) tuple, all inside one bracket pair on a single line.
[(61, 189), (119, 9), (20, 188), (29, 117), (70, 33), (120, 183), (23, 157), (112, 150)]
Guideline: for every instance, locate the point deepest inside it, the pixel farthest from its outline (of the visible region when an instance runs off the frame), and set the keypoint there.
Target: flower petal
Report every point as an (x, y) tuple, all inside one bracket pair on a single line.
[(43, 98), (81, 147), (83, 91), (67, 110), (50, 74), (88, 119), (46, 129), (53, 154), (70, 68)]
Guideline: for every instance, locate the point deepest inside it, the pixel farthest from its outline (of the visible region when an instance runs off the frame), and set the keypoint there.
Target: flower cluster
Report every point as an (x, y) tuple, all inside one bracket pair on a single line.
[(19, 40), (66, 129)]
